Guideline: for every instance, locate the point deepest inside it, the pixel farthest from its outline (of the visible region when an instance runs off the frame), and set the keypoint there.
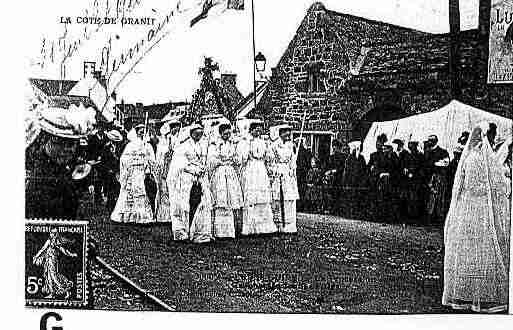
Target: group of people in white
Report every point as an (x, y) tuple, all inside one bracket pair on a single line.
[(211, 185), (214, 186)]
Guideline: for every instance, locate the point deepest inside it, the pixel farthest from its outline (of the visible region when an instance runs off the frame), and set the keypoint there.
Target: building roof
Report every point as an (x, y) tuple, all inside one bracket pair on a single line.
[(246, 105), (427, 54), (52, 87), (65, 101), (155, 111), (350, 31)]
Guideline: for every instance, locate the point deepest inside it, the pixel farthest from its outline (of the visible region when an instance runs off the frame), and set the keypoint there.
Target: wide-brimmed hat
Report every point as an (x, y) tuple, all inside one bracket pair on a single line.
[(81, 171), (72, 123), (171, 120), (194, 127), (114, 135)]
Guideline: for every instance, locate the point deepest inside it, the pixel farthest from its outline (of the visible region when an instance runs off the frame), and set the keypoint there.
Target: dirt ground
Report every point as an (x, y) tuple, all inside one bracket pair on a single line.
[(333, 265)]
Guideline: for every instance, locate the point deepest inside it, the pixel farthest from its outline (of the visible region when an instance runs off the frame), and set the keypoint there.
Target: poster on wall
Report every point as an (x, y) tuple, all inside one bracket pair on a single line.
[(500, 61)]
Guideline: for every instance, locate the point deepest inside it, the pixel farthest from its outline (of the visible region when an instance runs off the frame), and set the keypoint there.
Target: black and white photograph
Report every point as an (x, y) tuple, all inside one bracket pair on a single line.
[(269, 157)]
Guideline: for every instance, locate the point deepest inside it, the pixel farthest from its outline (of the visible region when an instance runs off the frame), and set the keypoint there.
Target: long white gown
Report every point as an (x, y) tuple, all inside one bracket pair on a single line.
[(164, 156), (477, 231), (226, 189), (284, 177), (257, 216), (133, 205), (190, 160)]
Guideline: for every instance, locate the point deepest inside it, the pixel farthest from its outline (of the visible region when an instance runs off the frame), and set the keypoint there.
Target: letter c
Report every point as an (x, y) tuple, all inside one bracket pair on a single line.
[(44, 321)]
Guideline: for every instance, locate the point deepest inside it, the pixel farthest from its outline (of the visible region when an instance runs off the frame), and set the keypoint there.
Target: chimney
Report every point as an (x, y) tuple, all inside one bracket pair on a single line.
[(454, 46)]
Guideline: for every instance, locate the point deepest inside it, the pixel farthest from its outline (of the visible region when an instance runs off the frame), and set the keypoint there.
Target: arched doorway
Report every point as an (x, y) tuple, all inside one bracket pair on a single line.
[(383, 112)]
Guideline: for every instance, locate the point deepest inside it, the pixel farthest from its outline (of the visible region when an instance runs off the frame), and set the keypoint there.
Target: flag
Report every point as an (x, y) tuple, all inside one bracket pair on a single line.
[(209, 4), (235, 4)]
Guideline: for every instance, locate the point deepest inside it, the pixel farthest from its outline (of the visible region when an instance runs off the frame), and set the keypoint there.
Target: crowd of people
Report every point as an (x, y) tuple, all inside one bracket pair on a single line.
[(210, 186), (403, 181), (218, 185), (204, 186)]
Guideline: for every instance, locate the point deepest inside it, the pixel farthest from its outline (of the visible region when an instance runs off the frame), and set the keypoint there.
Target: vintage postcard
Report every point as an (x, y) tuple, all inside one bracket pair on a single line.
[(277, 157)]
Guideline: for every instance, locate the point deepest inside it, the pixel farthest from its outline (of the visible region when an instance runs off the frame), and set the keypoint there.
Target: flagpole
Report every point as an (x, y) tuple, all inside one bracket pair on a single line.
[(254, 55)]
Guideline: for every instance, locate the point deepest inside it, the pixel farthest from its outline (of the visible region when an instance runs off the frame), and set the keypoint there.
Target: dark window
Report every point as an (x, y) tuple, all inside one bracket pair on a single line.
[(315, 79)]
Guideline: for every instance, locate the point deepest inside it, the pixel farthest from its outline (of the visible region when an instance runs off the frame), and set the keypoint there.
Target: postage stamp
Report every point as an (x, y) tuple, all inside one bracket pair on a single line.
[(56, 263)]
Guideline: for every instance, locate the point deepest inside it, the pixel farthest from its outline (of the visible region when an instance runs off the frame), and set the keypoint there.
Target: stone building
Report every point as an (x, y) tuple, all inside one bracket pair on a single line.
[(345, 72)]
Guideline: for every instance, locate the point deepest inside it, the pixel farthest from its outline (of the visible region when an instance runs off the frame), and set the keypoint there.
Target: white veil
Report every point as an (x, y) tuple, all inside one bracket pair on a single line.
[(498, 221)]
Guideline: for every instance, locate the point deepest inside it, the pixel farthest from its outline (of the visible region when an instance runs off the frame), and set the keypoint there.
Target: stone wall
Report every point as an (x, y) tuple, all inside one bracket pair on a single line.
[(405, 71)]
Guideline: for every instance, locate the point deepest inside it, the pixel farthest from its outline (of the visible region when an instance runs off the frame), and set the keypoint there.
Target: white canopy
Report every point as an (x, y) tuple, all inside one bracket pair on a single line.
[(446, 123)]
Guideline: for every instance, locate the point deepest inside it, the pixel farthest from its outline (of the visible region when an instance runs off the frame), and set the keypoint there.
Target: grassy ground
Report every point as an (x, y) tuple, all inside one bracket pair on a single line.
[(333, 266)]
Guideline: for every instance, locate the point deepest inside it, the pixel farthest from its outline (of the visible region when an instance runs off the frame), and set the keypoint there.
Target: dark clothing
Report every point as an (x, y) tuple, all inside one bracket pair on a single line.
[(355, 172), (438, 185), (384, 171), (49, 190), (402, 183), (304, 161), (314, 195), (433, 156), (380, 163), (415, 186), (151, 190), (337, 162)]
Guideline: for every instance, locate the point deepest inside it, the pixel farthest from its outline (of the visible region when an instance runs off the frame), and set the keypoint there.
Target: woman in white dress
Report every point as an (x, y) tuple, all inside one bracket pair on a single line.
[(257, 216), (477, 231), (192, 207), (225, 183), (133, 205), (165, 150), (284, 182)]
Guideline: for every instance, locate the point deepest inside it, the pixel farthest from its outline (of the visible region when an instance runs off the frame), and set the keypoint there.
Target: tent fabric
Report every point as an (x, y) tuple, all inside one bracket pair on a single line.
[(447, 123)]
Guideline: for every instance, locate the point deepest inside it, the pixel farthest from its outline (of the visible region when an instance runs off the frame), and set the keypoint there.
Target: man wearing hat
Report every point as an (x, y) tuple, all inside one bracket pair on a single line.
[(383, 168), (255, 157), (284, 183), (415, 182), (437, 167), (137, 160), (52, 140), (192, 214), (165, 149)]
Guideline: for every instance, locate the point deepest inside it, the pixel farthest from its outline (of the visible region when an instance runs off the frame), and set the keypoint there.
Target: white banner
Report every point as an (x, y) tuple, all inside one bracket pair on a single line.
[(500, 61)]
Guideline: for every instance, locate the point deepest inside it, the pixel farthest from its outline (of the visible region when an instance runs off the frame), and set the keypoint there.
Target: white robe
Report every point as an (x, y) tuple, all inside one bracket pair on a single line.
[(133, 205), (284, 182), (226, 189), (477, 231), (165, 150), (191, 160), (256, 187)]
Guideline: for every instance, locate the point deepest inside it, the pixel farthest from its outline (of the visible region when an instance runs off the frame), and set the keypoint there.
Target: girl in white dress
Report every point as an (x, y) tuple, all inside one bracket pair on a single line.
[(133, 205), (226, 191), (257, 215)]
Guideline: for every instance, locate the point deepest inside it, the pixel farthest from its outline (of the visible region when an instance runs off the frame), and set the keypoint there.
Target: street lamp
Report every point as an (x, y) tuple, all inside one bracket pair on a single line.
[(260, 62)]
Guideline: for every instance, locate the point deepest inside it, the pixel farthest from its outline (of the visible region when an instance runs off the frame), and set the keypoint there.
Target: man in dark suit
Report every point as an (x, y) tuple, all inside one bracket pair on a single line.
[(437, 165), (304, 163)]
